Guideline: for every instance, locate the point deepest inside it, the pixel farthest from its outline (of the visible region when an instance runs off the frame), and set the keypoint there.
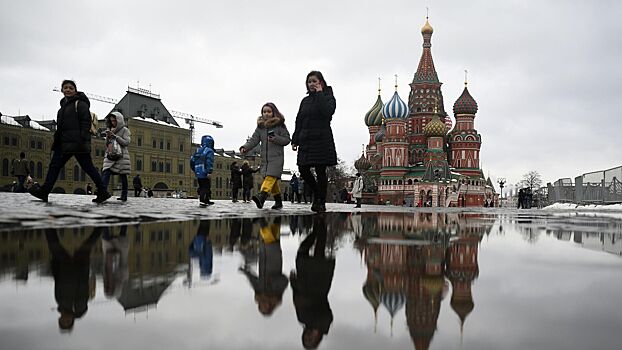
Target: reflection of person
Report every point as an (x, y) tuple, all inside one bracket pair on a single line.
[(273, 136), (313, 137), (270, 283), (72, 285), (201, 249), (311, 283), (116, 269), (72, 138)]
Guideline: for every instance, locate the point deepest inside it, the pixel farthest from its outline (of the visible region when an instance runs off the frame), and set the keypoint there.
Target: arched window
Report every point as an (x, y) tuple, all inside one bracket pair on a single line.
[(5, 167), (82, 175), (76, 173), (31, 166), (61, 175), (39, 170)]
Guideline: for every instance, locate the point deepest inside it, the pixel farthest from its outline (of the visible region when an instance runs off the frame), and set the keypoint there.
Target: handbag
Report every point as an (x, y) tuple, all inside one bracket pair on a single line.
[(114, 151)]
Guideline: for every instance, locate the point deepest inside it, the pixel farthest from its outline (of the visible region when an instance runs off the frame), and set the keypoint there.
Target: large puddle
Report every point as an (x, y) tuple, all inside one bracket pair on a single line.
[(332, 281)]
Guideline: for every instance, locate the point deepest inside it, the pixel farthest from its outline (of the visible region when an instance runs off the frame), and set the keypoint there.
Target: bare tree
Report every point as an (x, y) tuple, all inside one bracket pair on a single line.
[(532, 180)]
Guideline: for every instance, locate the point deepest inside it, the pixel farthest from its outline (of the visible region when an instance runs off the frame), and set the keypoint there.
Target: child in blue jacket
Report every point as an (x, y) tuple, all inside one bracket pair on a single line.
[(202, 163)]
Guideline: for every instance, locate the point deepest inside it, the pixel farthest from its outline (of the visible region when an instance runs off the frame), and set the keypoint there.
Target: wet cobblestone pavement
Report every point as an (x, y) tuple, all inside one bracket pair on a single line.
[(164, 273)]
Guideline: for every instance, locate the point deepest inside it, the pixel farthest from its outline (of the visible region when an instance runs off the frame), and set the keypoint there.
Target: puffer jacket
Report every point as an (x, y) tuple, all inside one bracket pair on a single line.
[(123, 137), (73, 121), (202, 161), (272, 154), (313, 133)]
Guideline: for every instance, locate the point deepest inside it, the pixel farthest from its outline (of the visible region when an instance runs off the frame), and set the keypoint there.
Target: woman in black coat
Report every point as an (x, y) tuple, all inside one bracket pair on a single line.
[(236, 180), (313, 137), (247, 181)]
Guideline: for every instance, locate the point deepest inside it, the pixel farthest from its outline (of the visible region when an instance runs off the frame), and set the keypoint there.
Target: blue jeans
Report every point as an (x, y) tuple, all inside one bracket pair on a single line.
[(20, 183), (59, 159), (123, 177)]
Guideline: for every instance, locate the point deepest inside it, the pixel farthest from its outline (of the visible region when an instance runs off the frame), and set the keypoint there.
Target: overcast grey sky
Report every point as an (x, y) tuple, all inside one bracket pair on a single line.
[(546, 74)]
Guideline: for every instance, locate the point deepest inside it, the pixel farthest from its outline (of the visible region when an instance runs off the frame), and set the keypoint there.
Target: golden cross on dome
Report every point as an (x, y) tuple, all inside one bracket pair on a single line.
[(466, 72), (427, 12)]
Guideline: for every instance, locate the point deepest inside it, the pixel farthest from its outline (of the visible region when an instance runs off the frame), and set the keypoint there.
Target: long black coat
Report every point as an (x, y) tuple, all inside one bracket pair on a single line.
[(236, 176), (73, 125), (247, 175), (313, 133)]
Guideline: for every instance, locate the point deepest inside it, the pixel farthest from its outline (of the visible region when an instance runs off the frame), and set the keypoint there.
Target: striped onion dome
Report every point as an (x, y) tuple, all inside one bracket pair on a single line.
[(395, 108), (371, 291), (374, 116), (448, 122), (380, 134), (465, 104), (435, 127), (362, 164), (393, 301)]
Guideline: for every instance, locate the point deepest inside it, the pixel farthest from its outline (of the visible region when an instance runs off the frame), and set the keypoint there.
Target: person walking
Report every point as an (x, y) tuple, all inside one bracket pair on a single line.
[(21, 170), (117, 157), (293, 183), (302, 190), (72, 138), (313, 137), (272, 133), (236, 181), (138, 185), (89, 189), (202, 164), (247, 181), (357, 189)]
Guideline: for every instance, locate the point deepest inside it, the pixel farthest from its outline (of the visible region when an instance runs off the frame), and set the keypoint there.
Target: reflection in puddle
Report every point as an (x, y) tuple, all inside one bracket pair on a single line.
[(415, 269)]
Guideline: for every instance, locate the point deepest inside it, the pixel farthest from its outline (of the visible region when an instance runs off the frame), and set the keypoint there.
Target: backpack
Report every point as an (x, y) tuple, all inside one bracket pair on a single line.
[(198, 159), (94, 121), (114, 151)]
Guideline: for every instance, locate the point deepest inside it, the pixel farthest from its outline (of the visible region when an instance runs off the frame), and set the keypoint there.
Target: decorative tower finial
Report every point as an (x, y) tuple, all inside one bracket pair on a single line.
[(395, 82), (427, 13), (379, 89), (466, 72)]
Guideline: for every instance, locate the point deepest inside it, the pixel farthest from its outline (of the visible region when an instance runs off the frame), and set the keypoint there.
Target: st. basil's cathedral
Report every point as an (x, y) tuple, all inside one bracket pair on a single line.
[(412, 158)]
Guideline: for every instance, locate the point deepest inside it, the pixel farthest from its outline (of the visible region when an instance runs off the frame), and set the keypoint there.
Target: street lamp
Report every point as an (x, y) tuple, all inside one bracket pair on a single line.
[(501, 181)]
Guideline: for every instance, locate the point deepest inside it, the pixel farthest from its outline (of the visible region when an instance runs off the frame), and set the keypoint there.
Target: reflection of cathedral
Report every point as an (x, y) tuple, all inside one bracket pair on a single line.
[(410, 270), (412, 156)]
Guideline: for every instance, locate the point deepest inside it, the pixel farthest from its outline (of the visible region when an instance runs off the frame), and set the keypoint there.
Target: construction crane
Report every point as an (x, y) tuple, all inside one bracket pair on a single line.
[(188, 118)]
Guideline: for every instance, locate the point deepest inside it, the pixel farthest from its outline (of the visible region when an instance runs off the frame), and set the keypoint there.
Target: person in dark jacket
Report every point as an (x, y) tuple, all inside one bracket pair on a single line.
[(313, 137), (293, 183), (138, 186), (236, 181), (72, 138), (311, 283), (72, 280), (247, 181), (20, 169), (273, 135)]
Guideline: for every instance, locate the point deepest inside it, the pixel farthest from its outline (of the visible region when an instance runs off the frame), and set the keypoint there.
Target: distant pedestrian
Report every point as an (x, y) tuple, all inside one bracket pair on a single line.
[(89, 189), (21, 170), (72, 138), (272, 133), (247, 181), (521, 198), (117, 157), (138, 185), (302, 190), (236, 181), (313, 137), (150, 193), (293, 183), (202, 163), (343, 195), (357, 190)]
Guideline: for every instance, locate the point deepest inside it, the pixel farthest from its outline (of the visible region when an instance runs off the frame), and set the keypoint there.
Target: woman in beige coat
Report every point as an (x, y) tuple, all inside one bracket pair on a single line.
[(115, 162)]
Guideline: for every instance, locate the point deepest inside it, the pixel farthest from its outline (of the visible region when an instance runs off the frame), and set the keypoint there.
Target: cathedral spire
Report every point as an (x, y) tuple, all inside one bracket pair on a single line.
[(426, 71)]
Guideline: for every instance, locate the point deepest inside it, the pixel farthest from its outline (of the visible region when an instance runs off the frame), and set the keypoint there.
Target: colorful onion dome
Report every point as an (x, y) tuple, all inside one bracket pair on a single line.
[(395, 108), (465, 104), (374, 116), (448, 122), (362, 164), (380, 134), (435, 127), (427, 28)]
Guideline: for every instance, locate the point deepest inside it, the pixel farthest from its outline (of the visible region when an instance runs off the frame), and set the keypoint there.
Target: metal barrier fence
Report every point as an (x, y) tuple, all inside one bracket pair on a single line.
[(598, 187)]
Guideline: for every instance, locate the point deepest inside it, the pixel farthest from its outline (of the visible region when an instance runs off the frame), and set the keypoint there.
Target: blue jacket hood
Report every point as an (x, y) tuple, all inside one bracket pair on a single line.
[(208, 141)]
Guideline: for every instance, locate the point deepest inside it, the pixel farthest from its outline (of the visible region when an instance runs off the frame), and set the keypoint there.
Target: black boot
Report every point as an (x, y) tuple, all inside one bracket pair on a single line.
[(260, 199), (318, 205), (101, 197), (358, 203), (39, 193), (278, 203)]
